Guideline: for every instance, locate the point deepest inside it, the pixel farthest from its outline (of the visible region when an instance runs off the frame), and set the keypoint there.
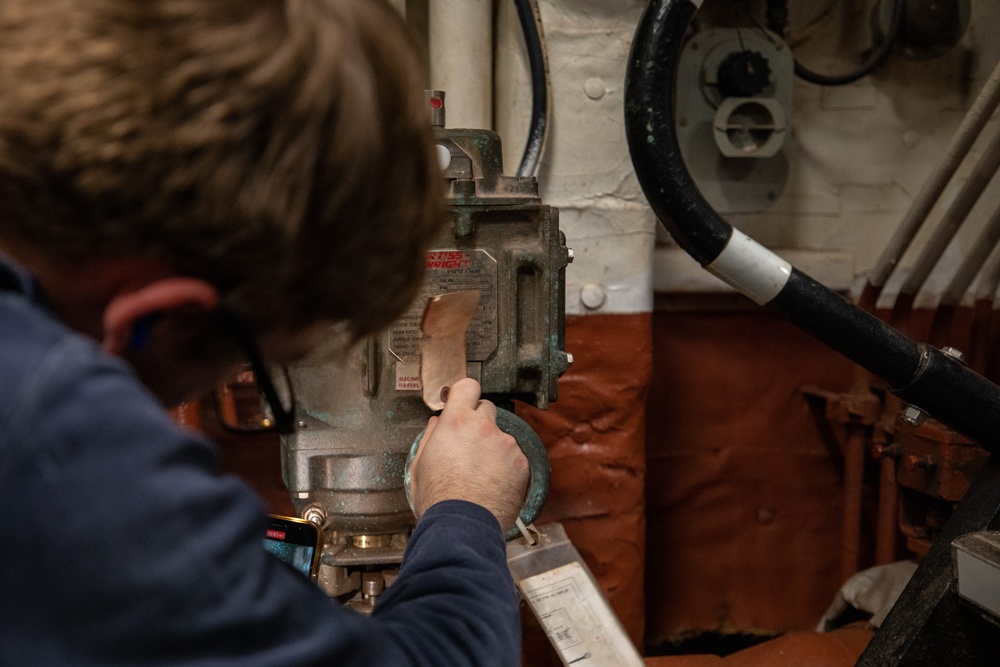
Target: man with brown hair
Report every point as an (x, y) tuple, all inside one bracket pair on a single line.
[(178, 177)]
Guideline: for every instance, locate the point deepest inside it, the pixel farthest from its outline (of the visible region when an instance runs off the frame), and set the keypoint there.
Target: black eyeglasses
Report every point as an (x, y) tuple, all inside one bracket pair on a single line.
[(257, 401)]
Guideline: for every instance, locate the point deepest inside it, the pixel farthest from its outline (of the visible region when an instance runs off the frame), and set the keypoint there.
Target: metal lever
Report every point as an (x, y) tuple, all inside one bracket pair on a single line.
[(442, 345)]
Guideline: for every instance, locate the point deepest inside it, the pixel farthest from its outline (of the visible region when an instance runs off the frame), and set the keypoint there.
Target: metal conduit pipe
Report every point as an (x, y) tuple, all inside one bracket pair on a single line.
[(991, 277), (918, 373), (974, 261), (969, 130), (980, 176), (887, 516), (944, 315), (980, 349), (460, 39), (855, 444)]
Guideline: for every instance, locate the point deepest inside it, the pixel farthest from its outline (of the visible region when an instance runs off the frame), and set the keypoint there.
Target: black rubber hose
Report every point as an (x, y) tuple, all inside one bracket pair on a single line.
[(919, 374), (777, 21), (527, 13)]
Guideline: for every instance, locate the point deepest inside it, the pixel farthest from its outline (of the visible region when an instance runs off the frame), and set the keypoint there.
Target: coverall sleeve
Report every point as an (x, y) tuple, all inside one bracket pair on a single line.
[(127, 546)]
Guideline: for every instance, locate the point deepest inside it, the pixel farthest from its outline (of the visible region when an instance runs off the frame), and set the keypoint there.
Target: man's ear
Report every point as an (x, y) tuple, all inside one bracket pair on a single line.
[(129, 315)]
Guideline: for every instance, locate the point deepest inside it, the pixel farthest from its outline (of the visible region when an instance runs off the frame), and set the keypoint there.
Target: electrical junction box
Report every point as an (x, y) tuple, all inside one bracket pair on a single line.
[(734, 110)]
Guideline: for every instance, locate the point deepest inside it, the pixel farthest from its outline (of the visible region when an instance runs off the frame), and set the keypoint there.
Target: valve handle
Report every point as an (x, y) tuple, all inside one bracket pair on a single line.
[(538, 466)]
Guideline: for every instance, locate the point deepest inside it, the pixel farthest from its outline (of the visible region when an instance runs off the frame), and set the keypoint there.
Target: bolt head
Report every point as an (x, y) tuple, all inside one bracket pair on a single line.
[(914, 416), (913, 462), (443, 156), (765, 515), (593, 296), (954, 353), (594, 88), (315, 515)]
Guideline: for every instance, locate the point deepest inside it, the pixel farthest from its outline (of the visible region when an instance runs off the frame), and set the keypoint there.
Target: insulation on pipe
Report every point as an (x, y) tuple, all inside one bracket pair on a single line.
[(918, 373), (460, 35)]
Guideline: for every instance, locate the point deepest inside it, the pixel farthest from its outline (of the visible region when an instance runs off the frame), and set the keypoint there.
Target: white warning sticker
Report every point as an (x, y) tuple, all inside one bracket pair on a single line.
[(578, 620), (450, 270), (408, 376)]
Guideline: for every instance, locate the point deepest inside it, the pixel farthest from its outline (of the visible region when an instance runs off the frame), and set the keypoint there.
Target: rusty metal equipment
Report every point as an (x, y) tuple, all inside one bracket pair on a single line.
[(936, 469), (930, 624), (359, 415)]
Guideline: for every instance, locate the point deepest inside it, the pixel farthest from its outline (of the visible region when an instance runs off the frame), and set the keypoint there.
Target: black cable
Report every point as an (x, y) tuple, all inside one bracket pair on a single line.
[(531, 26), (917, 373), (777, 21)]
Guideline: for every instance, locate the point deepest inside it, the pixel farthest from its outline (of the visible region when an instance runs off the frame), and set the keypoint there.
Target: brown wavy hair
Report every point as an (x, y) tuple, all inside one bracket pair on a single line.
[(279, 149)]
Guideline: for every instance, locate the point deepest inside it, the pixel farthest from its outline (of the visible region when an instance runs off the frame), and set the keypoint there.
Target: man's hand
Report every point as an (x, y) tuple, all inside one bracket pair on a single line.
[(464, 456)]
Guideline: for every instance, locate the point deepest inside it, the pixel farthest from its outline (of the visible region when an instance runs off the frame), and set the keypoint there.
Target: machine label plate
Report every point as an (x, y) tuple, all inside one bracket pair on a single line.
[(408, 375), (579, 622), (448, 271)]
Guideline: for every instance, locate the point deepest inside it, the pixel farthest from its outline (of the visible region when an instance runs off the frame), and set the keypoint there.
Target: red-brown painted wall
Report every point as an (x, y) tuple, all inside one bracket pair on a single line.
[(743, 492), (595, 438), (594, 435), (718, 508)]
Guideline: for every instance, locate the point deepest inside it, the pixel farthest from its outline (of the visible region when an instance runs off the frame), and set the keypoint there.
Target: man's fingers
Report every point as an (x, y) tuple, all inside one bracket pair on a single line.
[(431, 423), (464, 394), (488, 408)]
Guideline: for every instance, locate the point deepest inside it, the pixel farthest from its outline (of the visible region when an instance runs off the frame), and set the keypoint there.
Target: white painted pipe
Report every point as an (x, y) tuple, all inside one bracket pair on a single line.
[(460, 36), (972, 125), (974, 261), (991, 277), (979, 177)]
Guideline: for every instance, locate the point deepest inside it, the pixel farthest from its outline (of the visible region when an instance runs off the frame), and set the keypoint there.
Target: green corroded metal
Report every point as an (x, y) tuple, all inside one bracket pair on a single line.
[(538, 466), (357, 420)]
